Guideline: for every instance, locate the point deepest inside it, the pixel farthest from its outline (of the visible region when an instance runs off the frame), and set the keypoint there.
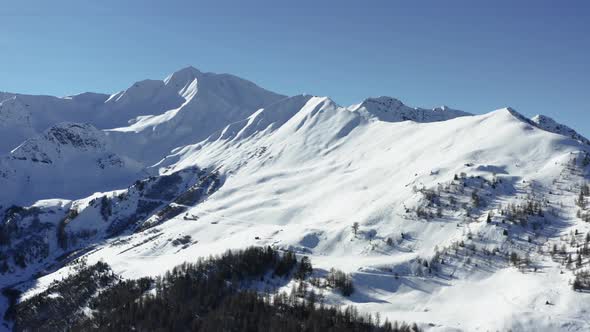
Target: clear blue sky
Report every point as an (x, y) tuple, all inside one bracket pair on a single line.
[(473, 55)]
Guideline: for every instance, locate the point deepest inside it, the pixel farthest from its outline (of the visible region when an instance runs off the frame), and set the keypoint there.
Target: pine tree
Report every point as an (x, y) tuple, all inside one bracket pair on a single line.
[(514, 259), (355, 228), (305, 269), (475, 200), (581, 201)]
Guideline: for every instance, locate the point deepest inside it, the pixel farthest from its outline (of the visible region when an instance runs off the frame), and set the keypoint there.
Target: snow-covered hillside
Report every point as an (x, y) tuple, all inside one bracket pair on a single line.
[(546, 123), (461, 222)]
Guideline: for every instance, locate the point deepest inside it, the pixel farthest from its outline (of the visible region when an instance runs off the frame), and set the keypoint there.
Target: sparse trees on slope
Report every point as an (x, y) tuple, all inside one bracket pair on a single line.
[(341, 281)]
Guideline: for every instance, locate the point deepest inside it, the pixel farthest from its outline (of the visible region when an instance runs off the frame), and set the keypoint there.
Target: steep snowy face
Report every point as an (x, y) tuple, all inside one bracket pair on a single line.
[(548, 124), (31, 115), (15, 123), (205, 102), (263, 120), (209, 98), (180, 79), (143, 98), (392, 110), (68, 160), (301, 119), (61, 140), (213, 101)]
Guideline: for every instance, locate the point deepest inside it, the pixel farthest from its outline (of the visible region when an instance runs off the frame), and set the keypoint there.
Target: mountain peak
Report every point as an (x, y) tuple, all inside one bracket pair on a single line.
[(187, 70), (382, 102), (76, 135), (545, 123), (511, 111), (390, 109), (183, 76), (59, 138)]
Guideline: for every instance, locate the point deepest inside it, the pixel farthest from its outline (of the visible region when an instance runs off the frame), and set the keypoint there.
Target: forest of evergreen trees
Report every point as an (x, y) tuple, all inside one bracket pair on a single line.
[(209, 295)]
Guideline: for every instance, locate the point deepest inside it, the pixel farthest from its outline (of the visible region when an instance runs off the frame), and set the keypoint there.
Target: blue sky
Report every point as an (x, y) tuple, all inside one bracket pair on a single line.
[(472, 55)]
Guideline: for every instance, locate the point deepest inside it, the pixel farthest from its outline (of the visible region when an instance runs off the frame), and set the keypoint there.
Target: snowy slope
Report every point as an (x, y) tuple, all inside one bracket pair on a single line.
[(280, 191), (234, 165), (546, 123), (303, 184), (184, 108), (212, 101), (67, 161), (15, 122), (27, 115)]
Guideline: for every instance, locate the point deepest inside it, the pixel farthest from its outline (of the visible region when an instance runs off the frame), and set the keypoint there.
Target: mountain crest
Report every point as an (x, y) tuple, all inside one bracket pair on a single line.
[(546, 123), (390, 109), (383, 103), (59, 138), (182, 77)]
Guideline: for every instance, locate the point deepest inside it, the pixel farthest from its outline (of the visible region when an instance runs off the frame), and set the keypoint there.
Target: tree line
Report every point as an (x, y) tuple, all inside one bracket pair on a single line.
[(212, 294)]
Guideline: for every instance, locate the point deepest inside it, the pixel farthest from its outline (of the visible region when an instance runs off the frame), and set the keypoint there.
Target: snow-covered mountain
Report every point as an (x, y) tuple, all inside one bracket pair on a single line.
[(141, 125), (207, 99), (211, 101), (68, 160), (458, 215)]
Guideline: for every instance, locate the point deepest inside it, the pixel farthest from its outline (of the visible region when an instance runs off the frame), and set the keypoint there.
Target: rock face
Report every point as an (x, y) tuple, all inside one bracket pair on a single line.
[(60, 140), (392, 110)]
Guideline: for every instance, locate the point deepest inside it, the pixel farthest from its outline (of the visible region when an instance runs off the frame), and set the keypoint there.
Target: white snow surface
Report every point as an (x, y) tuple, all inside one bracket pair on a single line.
[(299, 171)]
